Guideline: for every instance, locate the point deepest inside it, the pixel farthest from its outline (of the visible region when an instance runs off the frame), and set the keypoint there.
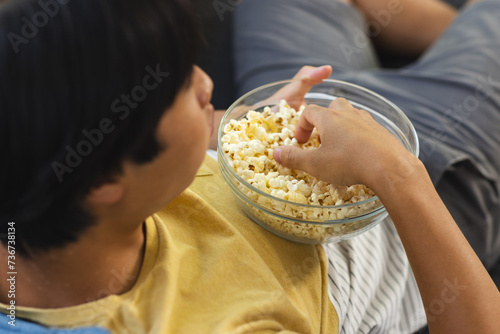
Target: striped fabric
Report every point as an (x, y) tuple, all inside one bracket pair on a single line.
[(371, 284)]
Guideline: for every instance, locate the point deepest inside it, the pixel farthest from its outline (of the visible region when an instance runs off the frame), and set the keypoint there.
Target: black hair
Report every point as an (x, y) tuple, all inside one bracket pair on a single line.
[(83, 86)]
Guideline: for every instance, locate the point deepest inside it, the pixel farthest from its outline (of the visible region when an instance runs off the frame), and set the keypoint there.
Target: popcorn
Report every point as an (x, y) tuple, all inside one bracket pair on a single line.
[(249, 144)]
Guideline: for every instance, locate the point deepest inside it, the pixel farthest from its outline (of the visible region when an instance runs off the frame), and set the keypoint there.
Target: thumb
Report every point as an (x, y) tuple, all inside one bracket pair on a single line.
[(292, 157), (307, 77)]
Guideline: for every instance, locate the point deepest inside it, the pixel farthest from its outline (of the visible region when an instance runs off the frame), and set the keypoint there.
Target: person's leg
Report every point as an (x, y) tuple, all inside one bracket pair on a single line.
[(273, 39), (406, 27)]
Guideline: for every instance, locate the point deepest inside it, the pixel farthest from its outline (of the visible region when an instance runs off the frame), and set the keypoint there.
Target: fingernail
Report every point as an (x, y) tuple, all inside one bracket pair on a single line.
[(277, 154), (316, 71), (313, 72)]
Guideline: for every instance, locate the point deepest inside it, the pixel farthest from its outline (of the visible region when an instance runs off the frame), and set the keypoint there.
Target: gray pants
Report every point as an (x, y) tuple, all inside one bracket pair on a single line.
[(451, 94)]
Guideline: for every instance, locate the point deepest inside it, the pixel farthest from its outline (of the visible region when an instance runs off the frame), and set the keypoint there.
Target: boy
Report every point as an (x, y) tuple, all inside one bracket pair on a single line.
[(106, 233)]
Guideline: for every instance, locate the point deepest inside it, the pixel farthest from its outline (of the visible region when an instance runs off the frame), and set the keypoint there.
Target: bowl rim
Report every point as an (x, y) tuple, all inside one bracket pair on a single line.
[(236, 103)]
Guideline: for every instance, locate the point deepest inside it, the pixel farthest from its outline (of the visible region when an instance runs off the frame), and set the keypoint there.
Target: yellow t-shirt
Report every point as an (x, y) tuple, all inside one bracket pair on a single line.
[(208, 269)]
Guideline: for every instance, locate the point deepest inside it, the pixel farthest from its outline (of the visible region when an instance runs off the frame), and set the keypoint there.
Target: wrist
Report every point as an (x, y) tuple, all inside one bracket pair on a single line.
[(393, 176)]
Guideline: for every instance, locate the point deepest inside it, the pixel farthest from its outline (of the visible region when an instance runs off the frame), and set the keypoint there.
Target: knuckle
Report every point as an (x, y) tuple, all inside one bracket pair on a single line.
[(340, 103), (303, 70)]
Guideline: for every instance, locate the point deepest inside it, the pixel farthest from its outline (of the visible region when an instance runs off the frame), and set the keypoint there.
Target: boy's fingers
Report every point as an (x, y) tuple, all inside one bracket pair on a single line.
[(307, 122), (341, 104), (309, 76), (313, 74), (302, 82)]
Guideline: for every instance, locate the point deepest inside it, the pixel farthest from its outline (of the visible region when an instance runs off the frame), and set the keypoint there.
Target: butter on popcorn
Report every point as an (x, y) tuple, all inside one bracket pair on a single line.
[(249, 143)]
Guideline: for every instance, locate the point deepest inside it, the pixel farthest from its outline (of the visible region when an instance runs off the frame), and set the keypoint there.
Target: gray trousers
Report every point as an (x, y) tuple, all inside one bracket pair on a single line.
[(451, 94)]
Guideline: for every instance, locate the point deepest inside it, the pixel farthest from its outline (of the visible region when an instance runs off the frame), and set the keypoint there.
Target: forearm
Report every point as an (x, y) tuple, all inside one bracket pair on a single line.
[(457, 292), (405, 26)]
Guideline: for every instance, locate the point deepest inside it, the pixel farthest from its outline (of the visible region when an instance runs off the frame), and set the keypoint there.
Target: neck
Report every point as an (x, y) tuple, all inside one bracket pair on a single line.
[(100, 263)]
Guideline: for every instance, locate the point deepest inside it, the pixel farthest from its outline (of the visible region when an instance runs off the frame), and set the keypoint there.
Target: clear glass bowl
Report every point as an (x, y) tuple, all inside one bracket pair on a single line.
[(303, 222)]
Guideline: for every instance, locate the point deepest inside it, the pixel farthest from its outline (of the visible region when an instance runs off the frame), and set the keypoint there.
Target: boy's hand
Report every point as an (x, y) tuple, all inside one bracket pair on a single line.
[(354, 147)]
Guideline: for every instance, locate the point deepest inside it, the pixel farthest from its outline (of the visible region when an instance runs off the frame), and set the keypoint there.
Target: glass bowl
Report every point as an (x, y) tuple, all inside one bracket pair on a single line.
[(306, 223)]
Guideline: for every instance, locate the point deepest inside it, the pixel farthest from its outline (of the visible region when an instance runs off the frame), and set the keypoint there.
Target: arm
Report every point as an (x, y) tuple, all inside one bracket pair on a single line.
[(445, 266), (457, 291)]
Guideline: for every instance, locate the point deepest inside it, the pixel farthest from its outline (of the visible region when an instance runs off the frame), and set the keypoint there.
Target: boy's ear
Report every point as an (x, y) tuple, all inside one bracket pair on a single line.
[(106, 193)]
